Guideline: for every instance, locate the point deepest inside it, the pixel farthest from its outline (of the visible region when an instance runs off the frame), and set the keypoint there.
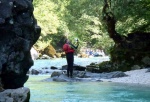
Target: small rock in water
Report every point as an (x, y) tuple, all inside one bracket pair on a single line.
[(148, 70)]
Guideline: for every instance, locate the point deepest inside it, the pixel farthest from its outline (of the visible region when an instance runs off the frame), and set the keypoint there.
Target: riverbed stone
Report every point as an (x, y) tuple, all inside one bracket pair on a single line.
[(53, 67), (56, 73), (19, 31), (116, 74), (34, 72)]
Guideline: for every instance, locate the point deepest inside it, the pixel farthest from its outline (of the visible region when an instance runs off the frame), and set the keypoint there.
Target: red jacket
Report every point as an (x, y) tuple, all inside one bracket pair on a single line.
[(67, 48)]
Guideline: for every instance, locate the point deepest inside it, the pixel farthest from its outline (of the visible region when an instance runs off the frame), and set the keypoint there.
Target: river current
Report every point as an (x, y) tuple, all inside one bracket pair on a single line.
[(82, 91)]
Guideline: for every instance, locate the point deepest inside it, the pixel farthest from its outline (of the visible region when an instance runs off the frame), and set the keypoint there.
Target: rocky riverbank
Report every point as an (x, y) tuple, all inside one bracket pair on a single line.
[(140, 76)]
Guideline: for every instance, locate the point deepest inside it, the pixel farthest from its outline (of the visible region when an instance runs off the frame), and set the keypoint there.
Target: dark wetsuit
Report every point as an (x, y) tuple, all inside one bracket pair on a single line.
[(69, 50)]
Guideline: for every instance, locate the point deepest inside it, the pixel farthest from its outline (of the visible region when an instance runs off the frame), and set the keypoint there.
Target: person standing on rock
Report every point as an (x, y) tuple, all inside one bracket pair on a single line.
[(69, 49)]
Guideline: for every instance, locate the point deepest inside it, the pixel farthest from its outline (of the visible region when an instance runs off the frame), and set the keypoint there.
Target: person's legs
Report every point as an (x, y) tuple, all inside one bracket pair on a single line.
[(70, 59), (67, 58), (71, 64)]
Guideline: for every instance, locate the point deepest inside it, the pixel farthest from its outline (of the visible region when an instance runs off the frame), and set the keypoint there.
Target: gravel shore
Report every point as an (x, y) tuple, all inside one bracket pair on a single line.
[(140, 76)]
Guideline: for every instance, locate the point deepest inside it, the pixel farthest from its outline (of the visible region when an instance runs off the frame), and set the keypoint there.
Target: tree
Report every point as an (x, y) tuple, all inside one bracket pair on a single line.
[(127, 23), (126, 16), (49, 14), (72, 18)]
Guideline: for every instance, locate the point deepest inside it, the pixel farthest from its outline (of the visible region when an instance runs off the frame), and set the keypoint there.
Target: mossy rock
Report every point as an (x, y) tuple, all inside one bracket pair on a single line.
[(109, 66), (50, 51), (99, 68), (131, 51), (105, 66)]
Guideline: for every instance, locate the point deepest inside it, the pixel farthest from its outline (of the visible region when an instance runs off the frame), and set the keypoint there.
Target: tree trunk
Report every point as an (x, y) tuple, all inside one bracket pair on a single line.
[(110, 22)]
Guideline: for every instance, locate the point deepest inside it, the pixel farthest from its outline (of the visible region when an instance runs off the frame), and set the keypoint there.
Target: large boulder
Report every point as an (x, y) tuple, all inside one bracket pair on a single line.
[(34, 72), (18, 32), (15, 95), (50, 51), (133, 50), (56, 74)]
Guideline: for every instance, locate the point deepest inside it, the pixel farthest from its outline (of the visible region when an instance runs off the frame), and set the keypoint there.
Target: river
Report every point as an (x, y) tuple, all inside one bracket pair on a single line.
[(82, 91)]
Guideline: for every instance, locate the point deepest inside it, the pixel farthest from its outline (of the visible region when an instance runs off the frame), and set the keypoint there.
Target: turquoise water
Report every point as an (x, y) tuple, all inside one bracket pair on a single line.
[(85, 91), (59, 62)]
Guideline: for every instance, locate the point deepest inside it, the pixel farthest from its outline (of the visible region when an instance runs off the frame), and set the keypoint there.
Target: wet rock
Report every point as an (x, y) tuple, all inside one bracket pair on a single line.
[(75, 67), (52, 67), (34, 72), (80, 74), (64, 78), (15, 95), (55, 73), (79, 68), (64, 67), (116, 74), (92, 68), (45, 68)]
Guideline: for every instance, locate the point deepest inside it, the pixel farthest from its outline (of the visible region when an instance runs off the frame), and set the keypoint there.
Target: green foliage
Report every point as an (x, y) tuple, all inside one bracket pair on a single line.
[(82, 19), (131, 15), (49, 14), (71, 18), (47, 18), (86, 22)]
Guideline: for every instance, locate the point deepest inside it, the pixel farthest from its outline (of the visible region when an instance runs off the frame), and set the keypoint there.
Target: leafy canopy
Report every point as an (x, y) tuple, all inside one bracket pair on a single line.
[(82, 19)]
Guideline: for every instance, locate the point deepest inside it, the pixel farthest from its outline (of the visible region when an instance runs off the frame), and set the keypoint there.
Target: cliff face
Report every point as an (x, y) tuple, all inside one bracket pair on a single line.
[(18, 32)]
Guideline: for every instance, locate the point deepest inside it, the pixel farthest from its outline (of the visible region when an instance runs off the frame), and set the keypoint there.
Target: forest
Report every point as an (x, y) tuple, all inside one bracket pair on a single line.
[(120, 27)]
